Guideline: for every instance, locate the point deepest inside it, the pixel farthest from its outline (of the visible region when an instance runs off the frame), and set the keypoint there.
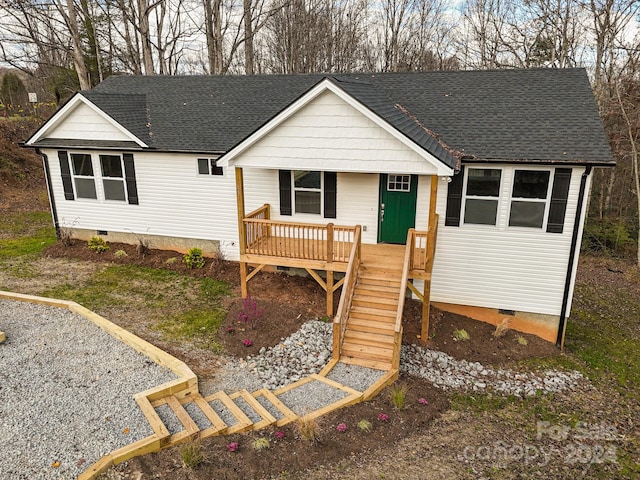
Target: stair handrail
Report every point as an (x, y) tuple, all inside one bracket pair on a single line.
[(401, 296), (346, 296)]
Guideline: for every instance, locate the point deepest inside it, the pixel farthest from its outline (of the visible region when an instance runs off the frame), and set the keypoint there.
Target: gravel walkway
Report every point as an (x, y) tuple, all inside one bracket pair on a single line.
[(66, 392)]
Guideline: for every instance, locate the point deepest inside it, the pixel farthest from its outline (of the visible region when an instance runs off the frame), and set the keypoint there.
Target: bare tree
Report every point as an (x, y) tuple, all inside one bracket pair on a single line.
[(630, 111)]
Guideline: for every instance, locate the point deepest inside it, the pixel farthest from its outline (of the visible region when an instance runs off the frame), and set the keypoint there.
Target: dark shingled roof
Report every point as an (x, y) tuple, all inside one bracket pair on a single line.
[(129, 110), (536, 115)]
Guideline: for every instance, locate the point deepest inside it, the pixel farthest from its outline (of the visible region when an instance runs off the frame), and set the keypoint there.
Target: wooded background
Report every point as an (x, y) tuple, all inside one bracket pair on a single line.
[(55, 47)]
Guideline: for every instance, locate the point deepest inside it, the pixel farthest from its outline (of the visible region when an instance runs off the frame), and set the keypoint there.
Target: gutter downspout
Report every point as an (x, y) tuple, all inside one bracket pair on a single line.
[(52, 202), (562, 326)]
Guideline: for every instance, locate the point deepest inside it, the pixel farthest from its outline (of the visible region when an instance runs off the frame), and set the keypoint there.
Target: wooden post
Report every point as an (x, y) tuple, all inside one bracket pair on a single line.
[(329, 293), (330, 242), (242, 232), (433, 199), (430, 252), (426, 306)]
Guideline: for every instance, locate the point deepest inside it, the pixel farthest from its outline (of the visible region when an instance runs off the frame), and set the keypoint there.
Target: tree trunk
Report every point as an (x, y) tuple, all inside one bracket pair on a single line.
[(248, 38), (78, 57), (145, 37)]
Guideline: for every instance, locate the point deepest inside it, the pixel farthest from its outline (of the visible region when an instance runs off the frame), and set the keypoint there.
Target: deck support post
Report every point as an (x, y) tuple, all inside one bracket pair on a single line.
[(431, 250), (242, 233), (329, 293)]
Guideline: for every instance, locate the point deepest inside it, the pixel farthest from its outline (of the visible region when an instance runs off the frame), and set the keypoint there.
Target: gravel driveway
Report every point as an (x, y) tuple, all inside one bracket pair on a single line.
[(66, 392)]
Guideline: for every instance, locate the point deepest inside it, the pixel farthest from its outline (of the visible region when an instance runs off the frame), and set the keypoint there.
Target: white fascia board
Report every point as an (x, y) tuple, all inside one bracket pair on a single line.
[(232, 157), (68, 108)]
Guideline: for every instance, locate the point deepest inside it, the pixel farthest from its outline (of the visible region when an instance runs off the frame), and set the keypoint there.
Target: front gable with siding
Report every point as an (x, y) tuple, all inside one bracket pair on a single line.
[(178, 140)]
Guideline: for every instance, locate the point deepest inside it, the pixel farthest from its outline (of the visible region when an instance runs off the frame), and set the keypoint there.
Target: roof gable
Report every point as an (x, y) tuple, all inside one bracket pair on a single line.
[(82, 120), (379, 119)]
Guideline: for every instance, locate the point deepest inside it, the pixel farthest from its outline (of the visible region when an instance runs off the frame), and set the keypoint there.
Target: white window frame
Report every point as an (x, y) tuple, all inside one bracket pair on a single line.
[(547, 200), (463, 207), (209, 167), (402, 182), (83, 177), (122, 179), (295, 189)]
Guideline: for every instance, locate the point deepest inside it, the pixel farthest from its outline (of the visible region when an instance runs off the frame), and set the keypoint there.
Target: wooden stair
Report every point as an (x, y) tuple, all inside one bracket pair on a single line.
[(369, 337)]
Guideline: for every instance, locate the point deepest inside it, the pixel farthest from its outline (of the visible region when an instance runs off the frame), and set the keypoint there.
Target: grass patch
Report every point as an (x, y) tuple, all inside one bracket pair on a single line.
[(24, 224), (603, 333), (25, 234), (123, 285), (190, 306), (200, 325)]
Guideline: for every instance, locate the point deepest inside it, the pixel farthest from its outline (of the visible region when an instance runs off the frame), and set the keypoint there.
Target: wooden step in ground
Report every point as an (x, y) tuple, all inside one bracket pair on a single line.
[(189, 429)]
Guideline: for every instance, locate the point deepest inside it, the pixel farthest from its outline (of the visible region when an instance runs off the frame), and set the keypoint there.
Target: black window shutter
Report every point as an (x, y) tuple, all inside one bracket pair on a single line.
[(130, 178), (454, 199), (284, 177), (330, 184), (559, 195), (67, 183)]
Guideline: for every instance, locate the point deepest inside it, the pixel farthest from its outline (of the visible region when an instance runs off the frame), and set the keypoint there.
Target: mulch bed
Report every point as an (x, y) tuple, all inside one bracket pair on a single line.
[(481, 347), (293, 453)]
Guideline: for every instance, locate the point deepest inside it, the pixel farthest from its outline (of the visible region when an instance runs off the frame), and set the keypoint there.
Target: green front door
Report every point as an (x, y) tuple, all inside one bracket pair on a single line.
[(397, 214)]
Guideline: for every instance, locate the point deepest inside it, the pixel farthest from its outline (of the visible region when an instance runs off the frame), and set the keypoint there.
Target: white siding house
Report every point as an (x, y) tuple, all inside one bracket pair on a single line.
[(122, 171)]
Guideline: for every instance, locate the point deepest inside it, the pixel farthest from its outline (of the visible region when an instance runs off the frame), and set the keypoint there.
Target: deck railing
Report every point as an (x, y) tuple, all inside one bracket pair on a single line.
[(305, 241), (407, 265), (423, 248), (348, 289)]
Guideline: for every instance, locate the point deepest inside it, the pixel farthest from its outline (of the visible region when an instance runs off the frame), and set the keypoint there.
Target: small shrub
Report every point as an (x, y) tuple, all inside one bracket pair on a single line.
[(398, 396), (250, 313), (218, 262), (423, 401), (502, 328), (309, 429), (247, 343), (365, 425), (461, 335), (279, 434), (142, 247), (121, 253), (171, 261), (98, 245), (342, 427), (192, 455), (193, 258), (65, 236), (383, 417), (522, 341), (260, 444)]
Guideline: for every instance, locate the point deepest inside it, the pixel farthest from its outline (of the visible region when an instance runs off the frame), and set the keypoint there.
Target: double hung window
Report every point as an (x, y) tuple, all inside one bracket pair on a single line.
[(112, 177), (83, 178), (481, 195), (307, 188), (529, 198)]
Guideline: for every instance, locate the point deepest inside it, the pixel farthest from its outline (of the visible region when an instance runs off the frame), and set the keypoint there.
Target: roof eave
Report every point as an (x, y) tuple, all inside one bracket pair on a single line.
[(540, 161)]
